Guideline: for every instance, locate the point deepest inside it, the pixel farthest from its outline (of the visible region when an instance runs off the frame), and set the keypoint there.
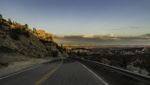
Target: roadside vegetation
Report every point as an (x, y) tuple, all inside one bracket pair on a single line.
[(136, 59)]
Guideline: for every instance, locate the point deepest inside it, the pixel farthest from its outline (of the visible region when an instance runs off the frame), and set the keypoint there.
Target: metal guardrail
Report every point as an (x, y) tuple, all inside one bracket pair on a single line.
[(139, 77)]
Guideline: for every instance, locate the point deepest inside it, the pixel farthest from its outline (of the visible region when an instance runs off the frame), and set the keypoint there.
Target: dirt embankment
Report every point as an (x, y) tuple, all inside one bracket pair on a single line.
[(10, 63)]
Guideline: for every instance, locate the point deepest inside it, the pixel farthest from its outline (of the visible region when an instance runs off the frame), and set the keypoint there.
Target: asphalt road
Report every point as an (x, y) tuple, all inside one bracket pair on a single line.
[(66, 72), (69, 72)]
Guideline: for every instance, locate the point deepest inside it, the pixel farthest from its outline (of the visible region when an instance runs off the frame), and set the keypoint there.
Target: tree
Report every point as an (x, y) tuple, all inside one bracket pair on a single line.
[(34, 29), (1, 17), (9, 20), (26, 26)]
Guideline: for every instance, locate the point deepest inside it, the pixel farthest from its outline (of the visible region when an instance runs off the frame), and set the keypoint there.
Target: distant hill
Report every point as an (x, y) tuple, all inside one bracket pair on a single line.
[(18, 38)]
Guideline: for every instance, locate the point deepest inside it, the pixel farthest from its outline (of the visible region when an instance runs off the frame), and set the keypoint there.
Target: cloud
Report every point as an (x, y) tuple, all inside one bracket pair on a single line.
[(135, 27), (128, 27), (104, 40)]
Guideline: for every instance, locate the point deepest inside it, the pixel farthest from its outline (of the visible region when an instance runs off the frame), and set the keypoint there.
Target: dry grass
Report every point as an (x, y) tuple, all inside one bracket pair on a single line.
[(6, 59), (10, 63)]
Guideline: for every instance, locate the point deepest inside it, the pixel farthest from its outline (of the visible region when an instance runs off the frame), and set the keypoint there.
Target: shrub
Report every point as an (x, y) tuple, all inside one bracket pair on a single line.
[(15, 34)]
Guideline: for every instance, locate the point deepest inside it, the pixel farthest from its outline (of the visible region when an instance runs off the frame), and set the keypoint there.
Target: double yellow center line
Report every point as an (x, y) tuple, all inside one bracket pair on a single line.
[(46, 76)]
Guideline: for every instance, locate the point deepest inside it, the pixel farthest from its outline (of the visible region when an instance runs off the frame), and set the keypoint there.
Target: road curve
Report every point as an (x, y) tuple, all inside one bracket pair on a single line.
[(55, 73), (73, 73)]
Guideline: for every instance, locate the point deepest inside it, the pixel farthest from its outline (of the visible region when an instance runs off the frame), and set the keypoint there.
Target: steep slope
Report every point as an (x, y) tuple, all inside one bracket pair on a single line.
[(19, 39)]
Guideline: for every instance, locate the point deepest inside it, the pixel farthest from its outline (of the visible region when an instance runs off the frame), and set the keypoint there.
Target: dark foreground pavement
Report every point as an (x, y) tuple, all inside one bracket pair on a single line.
[(73, 73), (67, 73)]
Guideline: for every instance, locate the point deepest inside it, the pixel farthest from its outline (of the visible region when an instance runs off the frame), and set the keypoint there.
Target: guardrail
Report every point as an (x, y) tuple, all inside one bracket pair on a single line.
[(139, 77)]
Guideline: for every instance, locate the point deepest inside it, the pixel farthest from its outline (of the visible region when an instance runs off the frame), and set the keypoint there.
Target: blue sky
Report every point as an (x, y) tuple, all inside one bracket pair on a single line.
[(77, 17)]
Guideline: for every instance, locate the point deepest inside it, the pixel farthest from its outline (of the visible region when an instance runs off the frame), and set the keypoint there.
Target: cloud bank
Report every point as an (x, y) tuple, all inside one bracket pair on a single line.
[(104, 40)]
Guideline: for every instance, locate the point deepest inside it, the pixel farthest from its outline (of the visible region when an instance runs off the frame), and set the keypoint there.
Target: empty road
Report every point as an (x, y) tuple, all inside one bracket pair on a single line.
[(69, 72), (61, 72)]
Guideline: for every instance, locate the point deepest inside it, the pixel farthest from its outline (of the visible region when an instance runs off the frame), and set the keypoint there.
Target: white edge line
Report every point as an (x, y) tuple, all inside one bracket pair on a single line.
[(15, 73), (105, 83)]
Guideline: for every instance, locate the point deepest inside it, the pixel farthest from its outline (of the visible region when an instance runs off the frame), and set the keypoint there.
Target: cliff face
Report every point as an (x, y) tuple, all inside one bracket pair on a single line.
[(17, 38)]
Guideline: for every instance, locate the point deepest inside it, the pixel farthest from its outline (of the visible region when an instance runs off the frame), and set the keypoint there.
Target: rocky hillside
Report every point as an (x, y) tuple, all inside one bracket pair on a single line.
[(20, 39)]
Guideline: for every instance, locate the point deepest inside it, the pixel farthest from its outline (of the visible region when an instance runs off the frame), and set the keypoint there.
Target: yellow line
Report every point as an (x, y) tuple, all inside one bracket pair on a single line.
[(46, 76)]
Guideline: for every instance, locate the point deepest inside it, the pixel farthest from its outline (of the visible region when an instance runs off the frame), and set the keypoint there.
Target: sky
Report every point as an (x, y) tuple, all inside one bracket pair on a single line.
[(84, 18)]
